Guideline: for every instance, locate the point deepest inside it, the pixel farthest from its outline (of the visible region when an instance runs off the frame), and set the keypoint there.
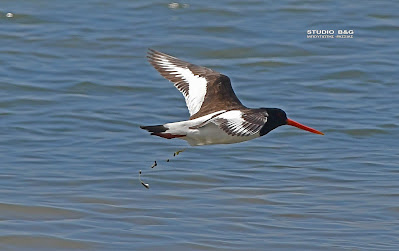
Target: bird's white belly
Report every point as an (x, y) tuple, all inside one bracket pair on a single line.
[(212, 134)]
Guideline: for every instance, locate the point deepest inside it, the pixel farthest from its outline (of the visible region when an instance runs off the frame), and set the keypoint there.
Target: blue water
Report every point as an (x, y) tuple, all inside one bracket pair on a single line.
[(75, 85)]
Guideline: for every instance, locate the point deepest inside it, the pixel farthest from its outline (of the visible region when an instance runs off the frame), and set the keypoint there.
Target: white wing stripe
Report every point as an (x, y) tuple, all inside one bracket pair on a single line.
[(197, 84), (196, 91), (236, 125)]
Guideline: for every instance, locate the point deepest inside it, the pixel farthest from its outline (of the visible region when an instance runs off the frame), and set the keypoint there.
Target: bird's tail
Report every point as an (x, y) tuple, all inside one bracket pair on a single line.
[(155, 129), (161, 131)]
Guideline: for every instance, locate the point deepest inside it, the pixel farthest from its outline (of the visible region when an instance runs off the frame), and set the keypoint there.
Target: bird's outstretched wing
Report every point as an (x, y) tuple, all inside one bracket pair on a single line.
[(238, 122), (205, 91)]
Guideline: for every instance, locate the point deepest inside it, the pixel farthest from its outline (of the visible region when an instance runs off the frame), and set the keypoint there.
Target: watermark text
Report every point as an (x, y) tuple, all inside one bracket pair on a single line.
[(330, 33)]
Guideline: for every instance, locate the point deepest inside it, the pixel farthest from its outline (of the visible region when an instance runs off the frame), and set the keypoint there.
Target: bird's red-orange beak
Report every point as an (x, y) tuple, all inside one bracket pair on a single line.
[(303, 127)]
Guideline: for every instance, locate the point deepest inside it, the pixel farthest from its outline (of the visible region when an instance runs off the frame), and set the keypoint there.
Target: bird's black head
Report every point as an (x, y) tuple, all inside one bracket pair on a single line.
[(276, 118)]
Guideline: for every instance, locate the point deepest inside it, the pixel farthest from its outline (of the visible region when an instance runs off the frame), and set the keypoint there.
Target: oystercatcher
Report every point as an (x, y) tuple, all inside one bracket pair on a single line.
[(216, 114)]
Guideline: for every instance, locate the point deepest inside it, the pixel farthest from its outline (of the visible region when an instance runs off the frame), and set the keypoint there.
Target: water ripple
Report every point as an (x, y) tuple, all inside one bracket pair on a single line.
[(76, 85)]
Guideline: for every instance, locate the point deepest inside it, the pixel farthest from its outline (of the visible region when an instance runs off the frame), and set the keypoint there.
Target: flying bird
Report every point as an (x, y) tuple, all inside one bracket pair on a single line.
[(217, 116)]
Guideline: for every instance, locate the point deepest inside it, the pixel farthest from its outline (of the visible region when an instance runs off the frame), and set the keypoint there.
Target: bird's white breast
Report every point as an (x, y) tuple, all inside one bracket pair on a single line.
[(212, 134)]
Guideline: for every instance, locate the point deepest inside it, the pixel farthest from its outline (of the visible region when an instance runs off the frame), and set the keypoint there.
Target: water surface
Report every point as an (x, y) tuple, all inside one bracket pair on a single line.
[(75, 86)]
